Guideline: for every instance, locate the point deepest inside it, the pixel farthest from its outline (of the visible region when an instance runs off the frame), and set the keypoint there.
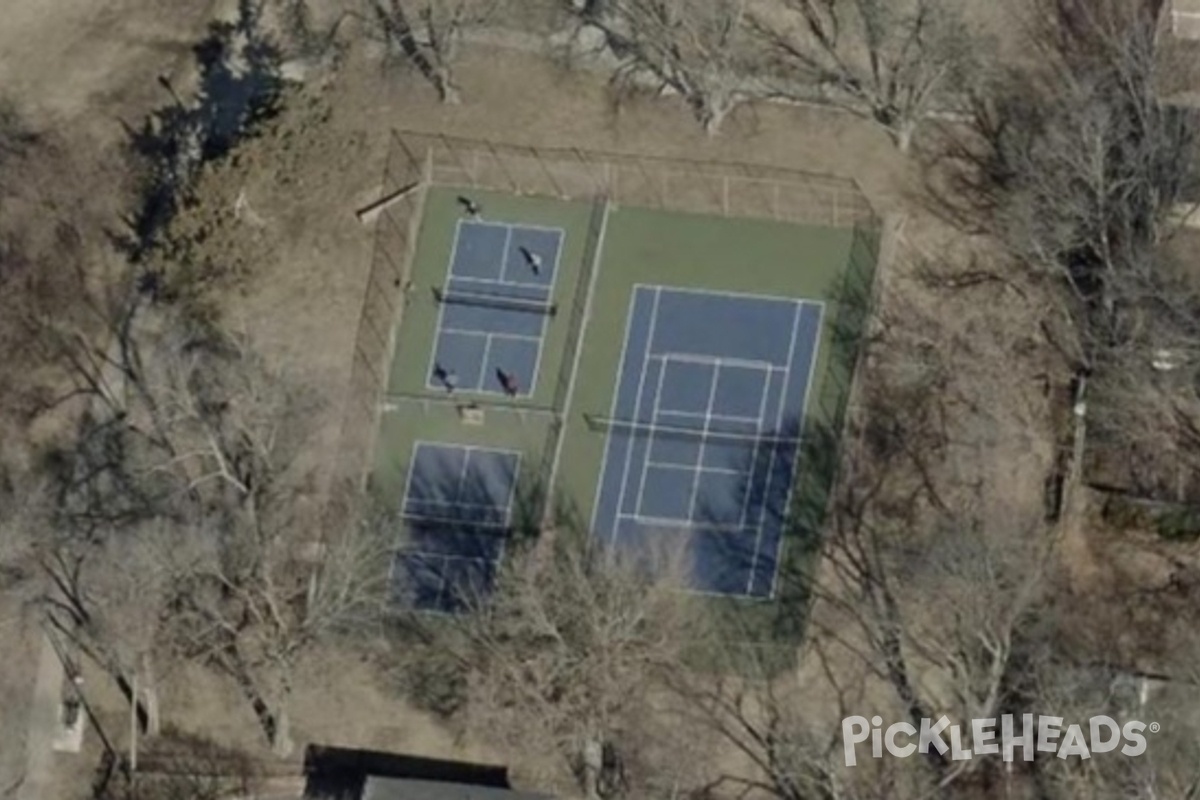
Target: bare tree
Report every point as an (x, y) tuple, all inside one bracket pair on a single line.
[(698, 49), (784, 720), (428, 34), (1077, 166), (892, 61), (184, 490), (304, 35), (563, 657)]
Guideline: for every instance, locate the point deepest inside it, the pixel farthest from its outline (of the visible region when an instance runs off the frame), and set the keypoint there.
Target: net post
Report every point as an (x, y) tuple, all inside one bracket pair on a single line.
[(725, 195)]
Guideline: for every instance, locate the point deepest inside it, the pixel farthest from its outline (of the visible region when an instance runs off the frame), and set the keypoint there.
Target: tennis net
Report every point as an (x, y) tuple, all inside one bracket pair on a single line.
[(722, 432), (465, 298)]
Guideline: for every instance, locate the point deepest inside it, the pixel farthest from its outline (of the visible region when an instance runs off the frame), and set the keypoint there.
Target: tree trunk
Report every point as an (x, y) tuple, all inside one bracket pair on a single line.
[(712, 112), (902, 135), (283, 745), (592, 763), (149, 696), (443, 81)]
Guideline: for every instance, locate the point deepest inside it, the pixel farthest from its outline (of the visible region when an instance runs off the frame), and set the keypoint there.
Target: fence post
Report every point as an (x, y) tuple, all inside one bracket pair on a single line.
[(514, 184), (558, 192), (454, 154)]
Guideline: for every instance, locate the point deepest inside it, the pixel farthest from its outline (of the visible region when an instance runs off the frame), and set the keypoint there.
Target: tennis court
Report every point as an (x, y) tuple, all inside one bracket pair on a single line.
[(495, 305), (703, 434), (667, 361), (458, 506)]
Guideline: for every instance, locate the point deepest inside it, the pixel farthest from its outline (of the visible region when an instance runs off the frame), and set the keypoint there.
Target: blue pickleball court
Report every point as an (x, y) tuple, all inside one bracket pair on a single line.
[(496, 304), (457, 509)]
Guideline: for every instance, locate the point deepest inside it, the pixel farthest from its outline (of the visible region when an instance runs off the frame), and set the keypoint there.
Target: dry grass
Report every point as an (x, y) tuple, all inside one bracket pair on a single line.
[(296, 280)]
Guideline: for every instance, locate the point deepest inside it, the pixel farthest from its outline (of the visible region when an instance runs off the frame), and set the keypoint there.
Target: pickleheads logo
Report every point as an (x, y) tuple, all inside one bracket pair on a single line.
[(1044, 734)]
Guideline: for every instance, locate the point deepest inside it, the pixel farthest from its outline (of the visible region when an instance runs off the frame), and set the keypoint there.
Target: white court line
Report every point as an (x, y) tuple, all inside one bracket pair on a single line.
[(533, 227), (717, 417), (608, 439), (432, 360), (451, 276), (481, 223), (512, 496), (775, 298), (512, 489), (686, 468), (481, 387), (497, 282), (585, 324), (762, 514), (637, 406), (696, 358), (408, 477), (504, 252), (683, 524), (509, 227), (462, 475), (650, 439), (525, 337), (762, 410), (560, 235), (483, 367), (747, 295), (458, 226), (787, 501), (712, 398), (541, 345), (469, 449)]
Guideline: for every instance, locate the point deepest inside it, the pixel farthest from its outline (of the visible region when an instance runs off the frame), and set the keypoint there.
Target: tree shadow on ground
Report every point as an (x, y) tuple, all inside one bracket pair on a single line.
[(239, 88)]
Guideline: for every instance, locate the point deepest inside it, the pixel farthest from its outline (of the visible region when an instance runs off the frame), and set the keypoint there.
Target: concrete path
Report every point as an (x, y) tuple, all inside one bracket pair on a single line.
[(43, 725)]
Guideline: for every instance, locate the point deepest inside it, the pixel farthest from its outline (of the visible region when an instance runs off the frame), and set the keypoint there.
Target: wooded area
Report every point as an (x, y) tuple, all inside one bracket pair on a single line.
[(181, 513)]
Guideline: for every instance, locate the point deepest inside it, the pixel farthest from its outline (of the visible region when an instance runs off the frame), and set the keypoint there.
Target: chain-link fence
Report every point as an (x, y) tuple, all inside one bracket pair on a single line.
[(419, 160), (729, 189)]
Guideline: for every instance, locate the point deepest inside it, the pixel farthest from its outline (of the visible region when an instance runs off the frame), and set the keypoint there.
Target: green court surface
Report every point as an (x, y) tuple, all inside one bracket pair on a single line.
[(713, 253), (415, 338), (405, 423), (760, 257), (834, 266)]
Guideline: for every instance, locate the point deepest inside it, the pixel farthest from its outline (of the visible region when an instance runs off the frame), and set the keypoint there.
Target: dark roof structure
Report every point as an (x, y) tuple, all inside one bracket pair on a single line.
[(336, 773), (411, 789)]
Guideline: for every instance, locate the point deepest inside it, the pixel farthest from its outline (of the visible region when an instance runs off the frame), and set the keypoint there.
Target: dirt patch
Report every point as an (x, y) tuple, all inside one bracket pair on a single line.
[(274, 224), (279, 216), (88, 66)]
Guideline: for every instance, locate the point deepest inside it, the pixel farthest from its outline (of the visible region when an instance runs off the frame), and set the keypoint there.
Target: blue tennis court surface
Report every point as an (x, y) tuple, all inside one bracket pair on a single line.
[(705, 430), (458, 511), (495, 264)]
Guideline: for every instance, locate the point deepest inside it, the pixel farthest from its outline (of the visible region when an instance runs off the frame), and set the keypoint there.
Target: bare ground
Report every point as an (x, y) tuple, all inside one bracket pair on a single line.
[(298, 260), (303, 274)]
